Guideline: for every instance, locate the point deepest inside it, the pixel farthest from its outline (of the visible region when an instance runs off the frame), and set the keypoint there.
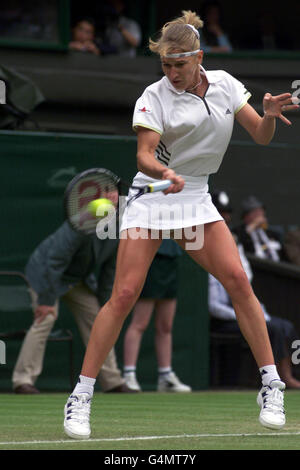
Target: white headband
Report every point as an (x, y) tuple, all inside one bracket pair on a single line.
[(182, 54), (186, 54)]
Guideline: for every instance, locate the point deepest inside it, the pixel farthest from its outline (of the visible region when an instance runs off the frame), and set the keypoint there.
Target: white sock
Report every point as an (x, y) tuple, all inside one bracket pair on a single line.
[(129, 370), (268, 373), (164, 371), (85, 385)]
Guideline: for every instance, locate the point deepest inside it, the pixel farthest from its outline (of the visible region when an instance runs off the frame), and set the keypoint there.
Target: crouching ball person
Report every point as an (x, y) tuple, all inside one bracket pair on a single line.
[(184, 124)]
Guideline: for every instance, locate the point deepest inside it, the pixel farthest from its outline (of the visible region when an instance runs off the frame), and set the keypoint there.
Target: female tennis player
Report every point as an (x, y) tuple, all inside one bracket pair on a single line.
[(184, 124)]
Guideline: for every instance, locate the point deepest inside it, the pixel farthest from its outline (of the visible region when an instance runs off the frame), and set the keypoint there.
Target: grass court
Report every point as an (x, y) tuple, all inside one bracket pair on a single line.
[(208, 420)]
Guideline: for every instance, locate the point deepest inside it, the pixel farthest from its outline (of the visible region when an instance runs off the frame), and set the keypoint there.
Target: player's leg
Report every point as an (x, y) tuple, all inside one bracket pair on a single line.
[(141, 316), (220, 257), (84, 305), (133, 261)]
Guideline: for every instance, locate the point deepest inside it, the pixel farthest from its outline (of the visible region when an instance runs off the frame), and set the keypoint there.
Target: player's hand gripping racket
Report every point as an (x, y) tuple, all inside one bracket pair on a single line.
[(95, 184)]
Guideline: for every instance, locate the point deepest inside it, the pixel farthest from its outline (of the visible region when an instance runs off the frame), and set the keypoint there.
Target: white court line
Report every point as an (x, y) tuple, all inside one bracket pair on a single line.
[(145, 438)]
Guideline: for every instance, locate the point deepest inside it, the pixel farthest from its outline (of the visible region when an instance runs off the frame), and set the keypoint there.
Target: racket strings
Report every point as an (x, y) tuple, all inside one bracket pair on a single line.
[(85, 190), (99, 183)]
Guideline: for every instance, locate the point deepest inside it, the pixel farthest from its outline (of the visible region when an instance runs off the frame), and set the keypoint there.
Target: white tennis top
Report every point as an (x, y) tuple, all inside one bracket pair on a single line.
[(195, 132)]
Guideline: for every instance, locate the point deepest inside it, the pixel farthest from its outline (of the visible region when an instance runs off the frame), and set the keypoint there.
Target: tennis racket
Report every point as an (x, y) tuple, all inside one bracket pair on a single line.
[(97, 183)]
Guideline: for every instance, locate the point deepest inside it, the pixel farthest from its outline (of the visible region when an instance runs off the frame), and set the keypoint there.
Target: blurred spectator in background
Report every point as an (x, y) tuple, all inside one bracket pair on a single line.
[(11, 18), (255, 234), (273, 33), (83, 37), (221, 200), (159, 294), (292, 246), (29, 20), (213, 38), (120, 34), (282, 332), (62, 268), (268, 29)]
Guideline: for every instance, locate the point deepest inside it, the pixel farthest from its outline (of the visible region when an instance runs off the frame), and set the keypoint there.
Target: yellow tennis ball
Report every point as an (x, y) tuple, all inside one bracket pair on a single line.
[(100, 207)]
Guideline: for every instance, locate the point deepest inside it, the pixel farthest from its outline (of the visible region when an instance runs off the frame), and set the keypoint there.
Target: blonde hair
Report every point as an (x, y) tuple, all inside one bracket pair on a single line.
[(175, 36)]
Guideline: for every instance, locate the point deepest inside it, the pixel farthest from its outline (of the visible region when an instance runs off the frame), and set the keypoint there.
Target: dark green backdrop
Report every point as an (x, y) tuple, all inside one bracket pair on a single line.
[(35, 170)]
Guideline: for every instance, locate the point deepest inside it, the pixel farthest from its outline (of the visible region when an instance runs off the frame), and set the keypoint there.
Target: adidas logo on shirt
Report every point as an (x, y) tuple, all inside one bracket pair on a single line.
[(144, 110), (228, 111)]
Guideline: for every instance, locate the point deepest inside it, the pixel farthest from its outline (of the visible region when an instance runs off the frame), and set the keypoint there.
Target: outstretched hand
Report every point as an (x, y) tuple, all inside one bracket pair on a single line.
[(275, 105)]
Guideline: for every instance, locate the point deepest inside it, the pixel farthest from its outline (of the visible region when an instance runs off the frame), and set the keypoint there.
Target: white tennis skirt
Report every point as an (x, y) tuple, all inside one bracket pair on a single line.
[(190, 207)]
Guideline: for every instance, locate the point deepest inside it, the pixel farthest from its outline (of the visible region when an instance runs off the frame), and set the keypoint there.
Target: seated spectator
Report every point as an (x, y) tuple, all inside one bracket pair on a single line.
[(159, 293), (268, 29), (122, 35), (83, 37), (254, 233), (292, 246), (281, 331), (213, 38), (271, 33)]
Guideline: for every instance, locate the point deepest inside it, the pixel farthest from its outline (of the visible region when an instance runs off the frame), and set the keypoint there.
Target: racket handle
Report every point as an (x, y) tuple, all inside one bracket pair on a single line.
[(159, 186)]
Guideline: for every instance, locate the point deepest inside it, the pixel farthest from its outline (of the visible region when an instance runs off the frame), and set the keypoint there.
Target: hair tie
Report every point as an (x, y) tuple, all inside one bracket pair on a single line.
[(194, 29)]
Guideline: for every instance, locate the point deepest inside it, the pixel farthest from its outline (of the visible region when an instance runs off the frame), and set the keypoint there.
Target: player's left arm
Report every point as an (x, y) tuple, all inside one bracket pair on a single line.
[(260, 128)]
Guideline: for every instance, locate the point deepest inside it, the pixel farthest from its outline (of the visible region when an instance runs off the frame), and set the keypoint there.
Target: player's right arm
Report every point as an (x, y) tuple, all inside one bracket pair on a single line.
[(147, 141)]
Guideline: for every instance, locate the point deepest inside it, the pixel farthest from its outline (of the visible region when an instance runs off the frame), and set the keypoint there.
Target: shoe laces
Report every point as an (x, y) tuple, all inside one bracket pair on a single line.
[(273, 400), (79, 407), (170, 378)]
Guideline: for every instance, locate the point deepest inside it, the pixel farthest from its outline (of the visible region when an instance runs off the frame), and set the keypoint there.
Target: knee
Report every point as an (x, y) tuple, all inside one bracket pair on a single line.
[(138, 324), (138, 327), (237, 283), (163, 327), (124, 300)]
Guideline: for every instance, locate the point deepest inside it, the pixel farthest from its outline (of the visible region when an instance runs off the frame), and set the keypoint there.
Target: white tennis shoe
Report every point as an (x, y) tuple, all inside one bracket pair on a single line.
[(131, 381), (171, 383), (77, 416), (271, 400)]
